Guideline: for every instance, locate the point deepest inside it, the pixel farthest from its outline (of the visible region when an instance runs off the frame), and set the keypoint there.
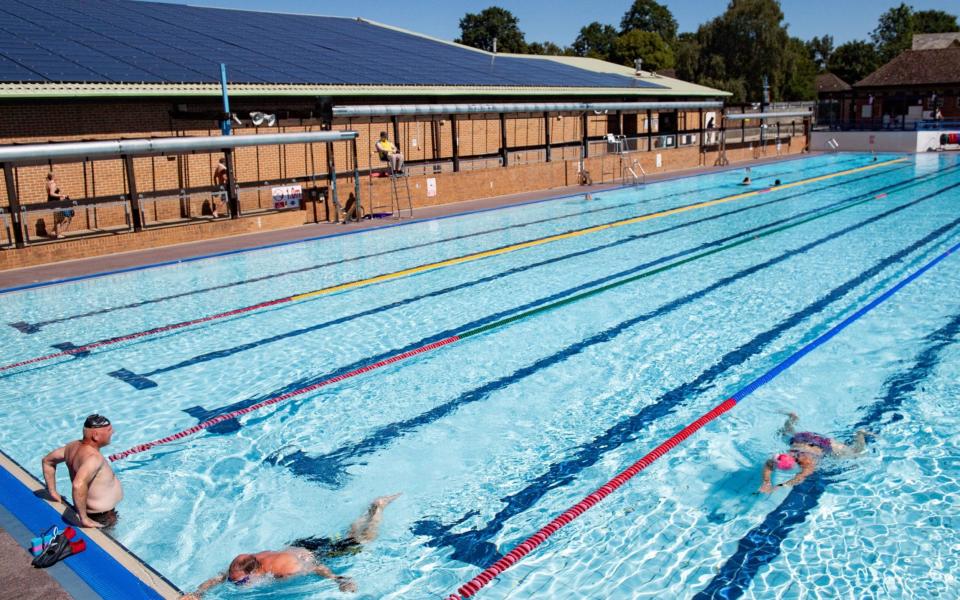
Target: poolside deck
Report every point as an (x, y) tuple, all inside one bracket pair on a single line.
[(82, 268)]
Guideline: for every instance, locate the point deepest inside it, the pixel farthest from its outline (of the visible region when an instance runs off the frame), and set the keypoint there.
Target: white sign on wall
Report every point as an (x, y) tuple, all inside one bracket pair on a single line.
[(659, 160), (431, 187), (287, 196)]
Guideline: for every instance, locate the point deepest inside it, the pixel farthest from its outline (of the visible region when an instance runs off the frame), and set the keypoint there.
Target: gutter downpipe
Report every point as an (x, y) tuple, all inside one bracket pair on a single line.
[(233, 199)]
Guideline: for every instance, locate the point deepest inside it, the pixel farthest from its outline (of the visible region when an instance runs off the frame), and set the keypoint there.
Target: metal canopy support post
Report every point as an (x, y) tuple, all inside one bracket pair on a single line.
[(396, 130), (546, 134), (356, 182), (585, 123), (233, 200), (649, 130), (455, 143), (504, 157), (14, 203), (135, 207), (332, 174), (700, 126)]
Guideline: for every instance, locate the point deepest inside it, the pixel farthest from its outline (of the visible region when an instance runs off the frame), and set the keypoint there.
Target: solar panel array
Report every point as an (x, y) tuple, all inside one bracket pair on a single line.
[(114, 41)]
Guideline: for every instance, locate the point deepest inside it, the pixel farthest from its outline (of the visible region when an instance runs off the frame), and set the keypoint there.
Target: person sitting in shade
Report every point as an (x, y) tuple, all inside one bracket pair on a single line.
[(61, 218), (304, 556), (806, 451), (390, 153)]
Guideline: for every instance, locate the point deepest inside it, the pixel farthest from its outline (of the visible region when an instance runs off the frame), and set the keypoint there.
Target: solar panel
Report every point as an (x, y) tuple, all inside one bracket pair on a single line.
[(125, 41)]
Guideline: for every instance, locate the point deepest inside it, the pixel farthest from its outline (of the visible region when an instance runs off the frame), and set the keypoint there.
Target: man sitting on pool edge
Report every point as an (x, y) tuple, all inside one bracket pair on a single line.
[(806, 450), (303, 556)]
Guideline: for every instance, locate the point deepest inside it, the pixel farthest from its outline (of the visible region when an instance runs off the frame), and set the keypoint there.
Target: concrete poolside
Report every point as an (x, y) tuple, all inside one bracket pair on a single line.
[(80, 268)]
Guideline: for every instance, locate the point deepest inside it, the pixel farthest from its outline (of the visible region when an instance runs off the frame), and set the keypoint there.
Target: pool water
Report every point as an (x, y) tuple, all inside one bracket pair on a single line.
[(492, 436)]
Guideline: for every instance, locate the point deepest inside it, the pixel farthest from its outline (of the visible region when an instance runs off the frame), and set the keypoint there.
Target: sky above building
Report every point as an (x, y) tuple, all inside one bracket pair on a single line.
[(559, 21)]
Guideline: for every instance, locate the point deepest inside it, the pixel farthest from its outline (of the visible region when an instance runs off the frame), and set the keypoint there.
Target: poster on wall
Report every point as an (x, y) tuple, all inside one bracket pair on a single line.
[(287, 196), (431, 187)]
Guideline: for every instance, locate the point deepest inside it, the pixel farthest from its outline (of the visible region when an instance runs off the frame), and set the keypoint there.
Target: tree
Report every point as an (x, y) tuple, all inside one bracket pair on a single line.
[(820, 49), (853, 61), (545, 48), (596, 41), (648, 15), (894, 32), (686, 52), (799, 73), (647, 45), (742, 45), (479, 31), (934, 21)]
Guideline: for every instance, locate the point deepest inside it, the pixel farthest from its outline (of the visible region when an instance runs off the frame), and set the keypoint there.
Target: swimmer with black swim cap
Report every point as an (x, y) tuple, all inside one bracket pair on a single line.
[(304, 557), (806, 451)]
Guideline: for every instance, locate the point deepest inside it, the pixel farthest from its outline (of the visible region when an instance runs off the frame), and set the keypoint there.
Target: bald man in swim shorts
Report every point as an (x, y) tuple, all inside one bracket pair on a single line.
[(96, 489), (304, 556)]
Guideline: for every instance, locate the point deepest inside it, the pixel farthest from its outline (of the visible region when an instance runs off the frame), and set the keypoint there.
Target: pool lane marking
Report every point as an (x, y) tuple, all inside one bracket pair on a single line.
[(142, 380), (393, 358), (576, 233), (436, 265), (34, 327), (473, 586), (715, 171), (761, 545)]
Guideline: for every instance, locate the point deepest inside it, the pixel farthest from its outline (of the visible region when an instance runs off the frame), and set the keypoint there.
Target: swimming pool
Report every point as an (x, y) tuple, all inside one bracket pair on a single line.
[(661, 302)]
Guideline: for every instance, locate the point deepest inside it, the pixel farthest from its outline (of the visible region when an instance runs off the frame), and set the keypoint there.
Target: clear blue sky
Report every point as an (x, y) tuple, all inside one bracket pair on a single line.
[(559, 20)]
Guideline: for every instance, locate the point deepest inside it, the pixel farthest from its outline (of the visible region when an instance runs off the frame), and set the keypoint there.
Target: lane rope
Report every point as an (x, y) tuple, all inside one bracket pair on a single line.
[(35, 326), (439, 264), (470, 588), (479, 330)]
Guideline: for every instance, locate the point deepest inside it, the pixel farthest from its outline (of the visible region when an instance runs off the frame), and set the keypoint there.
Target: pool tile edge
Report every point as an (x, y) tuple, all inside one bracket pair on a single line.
[(127, 574)]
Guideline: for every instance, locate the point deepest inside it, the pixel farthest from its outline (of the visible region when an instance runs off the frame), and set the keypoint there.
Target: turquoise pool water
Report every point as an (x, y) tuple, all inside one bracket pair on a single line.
[(492, 436)]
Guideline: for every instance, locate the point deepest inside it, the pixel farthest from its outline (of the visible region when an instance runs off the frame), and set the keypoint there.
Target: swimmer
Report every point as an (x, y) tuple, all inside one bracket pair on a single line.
[(776, 183), (304, 556), (806, 451), (746, 181)]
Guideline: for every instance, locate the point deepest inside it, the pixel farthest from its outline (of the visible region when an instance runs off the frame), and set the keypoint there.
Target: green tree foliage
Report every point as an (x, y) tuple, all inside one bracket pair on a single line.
[(820, 49), (647, 45), (799, 72), (686, 52), (545, 48), (894, 32), (479, 31), (596, 41), (648, 15), (934, 21), (742, 45), (853, 61)]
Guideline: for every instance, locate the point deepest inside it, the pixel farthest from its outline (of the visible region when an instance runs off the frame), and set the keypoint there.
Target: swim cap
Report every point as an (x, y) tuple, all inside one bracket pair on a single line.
[(785, 462)]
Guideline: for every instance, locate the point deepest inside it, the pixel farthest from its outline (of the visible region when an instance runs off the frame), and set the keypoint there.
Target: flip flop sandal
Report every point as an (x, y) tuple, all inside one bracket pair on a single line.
[(61, 548)]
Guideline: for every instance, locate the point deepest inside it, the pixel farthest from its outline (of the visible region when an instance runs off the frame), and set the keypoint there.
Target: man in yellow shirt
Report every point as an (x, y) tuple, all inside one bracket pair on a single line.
[(390, 153)]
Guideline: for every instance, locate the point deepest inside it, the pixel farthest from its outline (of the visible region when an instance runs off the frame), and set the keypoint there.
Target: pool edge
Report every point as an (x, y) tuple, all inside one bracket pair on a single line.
[(124, 561)]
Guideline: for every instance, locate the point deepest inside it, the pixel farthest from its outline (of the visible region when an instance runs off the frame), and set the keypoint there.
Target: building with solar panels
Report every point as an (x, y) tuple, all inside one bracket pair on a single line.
[(470, 123)]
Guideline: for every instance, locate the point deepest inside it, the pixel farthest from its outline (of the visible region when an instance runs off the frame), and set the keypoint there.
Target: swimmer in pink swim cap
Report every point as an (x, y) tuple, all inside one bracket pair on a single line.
[(806, 450)]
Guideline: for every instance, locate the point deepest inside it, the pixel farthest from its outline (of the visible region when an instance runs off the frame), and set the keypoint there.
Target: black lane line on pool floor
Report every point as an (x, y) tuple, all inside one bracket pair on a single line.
[(34, 327), (202, 414), (762, 544), (142, 381), (473, 547)]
